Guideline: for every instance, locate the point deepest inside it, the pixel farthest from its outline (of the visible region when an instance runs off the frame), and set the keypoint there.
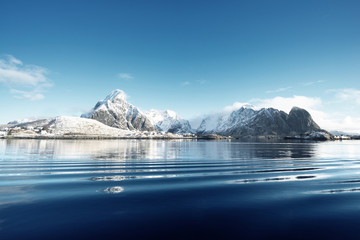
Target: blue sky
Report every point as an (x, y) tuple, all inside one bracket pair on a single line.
[(193, 57)]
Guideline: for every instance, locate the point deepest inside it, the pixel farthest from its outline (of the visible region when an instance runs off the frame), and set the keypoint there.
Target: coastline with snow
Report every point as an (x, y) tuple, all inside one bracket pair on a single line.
[(65, 127)]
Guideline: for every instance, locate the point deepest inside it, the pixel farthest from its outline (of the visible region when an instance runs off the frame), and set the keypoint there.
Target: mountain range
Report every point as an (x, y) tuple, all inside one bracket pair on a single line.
[(115, 111), (115, 117)]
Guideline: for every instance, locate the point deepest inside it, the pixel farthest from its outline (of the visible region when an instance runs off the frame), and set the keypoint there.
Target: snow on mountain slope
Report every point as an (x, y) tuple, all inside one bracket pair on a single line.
[(65, 125), (168, 121), (115, 111)]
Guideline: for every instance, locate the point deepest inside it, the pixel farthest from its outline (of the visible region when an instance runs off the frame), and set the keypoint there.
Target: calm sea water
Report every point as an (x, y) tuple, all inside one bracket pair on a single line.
[(133, 189)]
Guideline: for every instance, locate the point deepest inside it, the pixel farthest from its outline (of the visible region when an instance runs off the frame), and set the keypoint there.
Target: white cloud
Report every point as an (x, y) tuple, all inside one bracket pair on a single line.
[(31, 79), (279, 90), (345, 123), (14, 72), (125, 76), (286, 104)]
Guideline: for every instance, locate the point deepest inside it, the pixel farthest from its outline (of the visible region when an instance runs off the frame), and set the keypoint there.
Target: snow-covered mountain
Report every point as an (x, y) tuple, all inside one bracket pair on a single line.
[(248, 121), (168, 121), (115, 111)]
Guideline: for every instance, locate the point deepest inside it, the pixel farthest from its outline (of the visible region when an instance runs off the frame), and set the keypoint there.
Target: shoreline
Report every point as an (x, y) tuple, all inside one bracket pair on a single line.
[(207, 138)]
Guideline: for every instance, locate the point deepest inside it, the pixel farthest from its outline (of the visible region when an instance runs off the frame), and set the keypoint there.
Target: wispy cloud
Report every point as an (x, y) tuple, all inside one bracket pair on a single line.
[(27, 95), (125, 76), (279, 90), (347, 95), (31, 79), (186, 83), (202, 81), (312, 83), (194, 83)]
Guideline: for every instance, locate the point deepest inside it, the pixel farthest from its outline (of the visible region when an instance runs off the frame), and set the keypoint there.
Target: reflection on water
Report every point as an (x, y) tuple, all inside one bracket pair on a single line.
[(116, 189), (181, 189), (147, 149), (275, 179)]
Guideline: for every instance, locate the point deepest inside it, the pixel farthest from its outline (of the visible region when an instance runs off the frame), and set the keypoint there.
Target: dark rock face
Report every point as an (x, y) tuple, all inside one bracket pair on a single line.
[(114, 111), (300, 121), (108, 119)]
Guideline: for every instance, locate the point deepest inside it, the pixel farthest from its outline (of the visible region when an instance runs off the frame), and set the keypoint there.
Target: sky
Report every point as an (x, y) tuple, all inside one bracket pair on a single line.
[(193, 57)]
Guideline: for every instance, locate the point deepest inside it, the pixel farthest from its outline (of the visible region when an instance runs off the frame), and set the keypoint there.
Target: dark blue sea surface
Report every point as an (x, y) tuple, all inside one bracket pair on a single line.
[(147, 189)]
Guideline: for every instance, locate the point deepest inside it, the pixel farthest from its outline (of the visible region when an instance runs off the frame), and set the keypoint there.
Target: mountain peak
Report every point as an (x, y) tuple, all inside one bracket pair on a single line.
[(171, 114), (249, 106), (116, 95), (296, 109), (114, 111)]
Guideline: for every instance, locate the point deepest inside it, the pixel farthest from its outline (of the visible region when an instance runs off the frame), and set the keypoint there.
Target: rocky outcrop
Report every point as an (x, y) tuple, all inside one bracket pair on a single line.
[(115, 111), (300, 121)]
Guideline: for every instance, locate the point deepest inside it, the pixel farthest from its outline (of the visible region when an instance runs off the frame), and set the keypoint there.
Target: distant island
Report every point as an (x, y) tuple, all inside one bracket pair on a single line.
[(115, 118)]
